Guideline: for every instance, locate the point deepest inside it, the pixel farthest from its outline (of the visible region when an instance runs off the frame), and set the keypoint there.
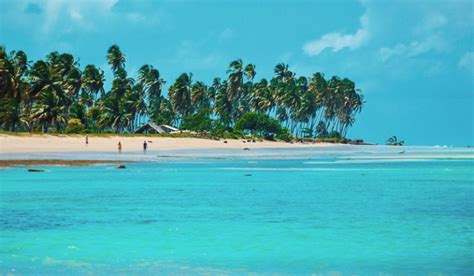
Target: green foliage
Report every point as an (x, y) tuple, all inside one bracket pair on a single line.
[(321, 130), (198, 122), (10, 114), (45, 95), (285, 135), (393, 141), (334, 135), (307, 132), (258, 124), (74, 126)]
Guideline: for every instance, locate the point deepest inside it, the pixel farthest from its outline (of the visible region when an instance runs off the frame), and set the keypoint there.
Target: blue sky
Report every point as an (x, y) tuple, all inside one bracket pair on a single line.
[(413, 60)]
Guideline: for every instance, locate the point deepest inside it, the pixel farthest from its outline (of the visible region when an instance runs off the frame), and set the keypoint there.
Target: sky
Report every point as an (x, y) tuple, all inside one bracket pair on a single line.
[(412, 60)]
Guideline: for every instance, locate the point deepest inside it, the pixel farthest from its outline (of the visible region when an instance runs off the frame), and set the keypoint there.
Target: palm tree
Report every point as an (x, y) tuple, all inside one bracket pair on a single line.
[(73, 82), (257, 97), (93, 81), (180, 94), (213, 89), (200, 96), (8, 83), (121, 84), (250, 72), (282, 73), (41, 79), (237, 91), (134, 105), (393, 141), (235, 79), (113, 114), (49, 110), (150, 78), (247, 91), (116, 58), (223, 105), (50, 91), (62, 64), (11, 114)]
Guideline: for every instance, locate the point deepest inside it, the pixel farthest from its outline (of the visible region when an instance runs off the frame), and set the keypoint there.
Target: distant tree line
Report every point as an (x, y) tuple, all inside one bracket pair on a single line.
[(55, 95)]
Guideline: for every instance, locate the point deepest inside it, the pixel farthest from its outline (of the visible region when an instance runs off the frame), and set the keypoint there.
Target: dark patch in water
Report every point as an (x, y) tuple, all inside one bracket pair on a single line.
[(147, 221), (26, 220)]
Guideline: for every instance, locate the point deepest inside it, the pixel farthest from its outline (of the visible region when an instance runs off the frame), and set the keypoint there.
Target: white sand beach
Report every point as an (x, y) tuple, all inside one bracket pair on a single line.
[(77, 143)]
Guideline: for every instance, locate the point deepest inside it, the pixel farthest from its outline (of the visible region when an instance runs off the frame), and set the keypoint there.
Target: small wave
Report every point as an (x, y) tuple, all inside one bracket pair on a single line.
[(300, 169), (358, 161)]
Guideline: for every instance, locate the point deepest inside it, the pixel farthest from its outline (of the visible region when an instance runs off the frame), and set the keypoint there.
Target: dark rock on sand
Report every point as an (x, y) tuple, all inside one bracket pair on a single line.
[(36, 170)]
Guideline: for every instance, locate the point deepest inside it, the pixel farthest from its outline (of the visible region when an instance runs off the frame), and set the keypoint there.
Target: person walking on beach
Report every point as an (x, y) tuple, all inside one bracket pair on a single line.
[(87, 140), (145, 146), (119, 146)]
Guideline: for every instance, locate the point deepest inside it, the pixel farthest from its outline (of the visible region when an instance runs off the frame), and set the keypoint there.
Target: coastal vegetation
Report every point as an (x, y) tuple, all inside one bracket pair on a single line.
[(57, 95), (393, 141)]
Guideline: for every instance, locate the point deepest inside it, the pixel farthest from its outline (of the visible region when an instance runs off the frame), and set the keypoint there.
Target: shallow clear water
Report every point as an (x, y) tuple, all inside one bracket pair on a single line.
[(316, 212)]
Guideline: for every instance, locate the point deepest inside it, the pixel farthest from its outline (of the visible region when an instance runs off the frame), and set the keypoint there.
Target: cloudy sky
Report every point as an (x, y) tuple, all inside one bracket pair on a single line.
[(413, 60)]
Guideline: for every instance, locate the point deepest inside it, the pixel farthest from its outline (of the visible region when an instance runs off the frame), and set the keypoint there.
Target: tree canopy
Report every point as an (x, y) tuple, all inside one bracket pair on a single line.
[(56, 94), (258, 123)]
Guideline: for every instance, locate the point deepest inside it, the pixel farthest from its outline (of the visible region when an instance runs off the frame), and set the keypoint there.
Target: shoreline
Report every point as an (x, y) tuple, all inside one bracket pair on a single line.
[(43, 143), (71, 150), (56, 162)]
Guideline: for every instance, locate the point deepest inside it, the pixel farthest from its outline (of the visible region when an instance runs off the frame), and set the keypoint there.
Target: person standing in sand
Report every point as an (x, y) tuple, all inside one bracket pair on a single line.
[(145, 146), (87, 140), (119, 147)]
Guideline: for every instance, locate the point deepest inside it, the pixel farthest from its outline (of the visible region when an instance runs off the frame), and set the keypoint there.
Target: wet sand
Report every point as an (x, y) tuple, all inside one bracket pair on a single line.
[(8, 163)]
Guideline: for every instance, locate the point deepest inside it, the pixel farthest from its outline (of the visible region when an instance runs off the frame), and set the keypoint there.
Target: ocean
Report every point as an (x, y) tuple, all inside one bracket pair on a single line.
[(331, 211)]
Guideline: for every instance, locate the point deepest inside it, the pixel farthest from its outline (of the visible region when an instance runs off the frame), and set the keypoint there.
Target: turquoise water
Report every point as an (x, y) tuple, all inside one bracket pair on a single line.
[(313, 213)]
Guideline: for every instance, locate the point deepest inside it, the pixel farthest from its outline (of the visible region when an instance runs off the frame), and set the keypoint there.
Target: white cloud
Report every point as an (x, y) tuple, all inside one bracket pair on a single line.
[(76, 15), (467, 61), (54, 15), (338, 41), (136, 17), (191, 55), (81, 12), (413, 49), (431, 22), (226, 34)]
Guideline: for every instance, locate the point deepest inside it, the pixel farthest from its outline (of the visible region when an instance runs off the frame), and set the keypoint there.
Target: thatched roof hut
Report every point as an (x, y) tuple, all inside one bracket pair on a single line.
[(151, 128)]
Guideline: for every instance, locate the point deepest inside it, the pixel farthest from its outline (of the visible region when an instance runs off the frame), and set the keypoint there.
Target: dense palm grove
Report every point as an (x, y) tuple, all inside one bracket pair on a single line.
[(56, 95)]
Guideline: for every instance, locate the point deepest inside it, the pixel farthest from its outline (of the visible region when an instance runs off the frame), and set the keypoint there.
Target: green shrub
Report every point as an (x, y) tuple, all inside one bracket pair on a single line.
[(258, 124), (284, 135), (74, 126), (198, 122), (321, 130), (334, 134)]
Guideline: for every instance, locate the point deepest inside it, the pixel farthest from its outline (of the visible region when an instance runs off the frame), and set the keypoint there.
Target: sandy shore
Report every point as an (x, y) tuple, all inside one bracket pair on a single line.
[(76, 143)]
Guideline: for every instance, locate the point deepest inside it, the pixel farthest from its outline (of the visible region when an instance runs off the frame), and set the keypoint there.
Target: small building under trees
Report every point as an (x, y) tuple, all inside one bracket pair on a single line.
[(151, 128)]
